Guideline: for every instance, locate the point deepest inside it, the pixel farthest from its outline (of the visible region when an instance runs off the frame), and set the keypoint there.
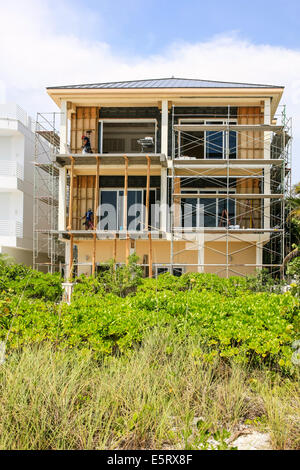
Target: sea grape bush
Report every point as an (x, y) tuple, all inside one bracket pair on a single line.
[(225, 317), (122, 281), (23, 280)]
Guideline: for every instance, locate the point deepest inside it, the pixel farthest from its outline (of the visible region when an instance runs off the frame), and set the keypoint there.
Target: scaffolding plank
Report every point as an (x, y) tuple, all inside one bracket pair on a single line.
[(230, 196), (231, 127), (48, 168), (180, 162), (112, 159), (51, 136)]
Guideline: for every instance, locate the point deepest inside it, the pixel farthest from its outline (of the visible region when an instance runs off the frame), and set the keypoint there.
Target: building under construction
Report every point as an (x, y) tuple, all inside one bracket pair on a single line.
[(190, 175)]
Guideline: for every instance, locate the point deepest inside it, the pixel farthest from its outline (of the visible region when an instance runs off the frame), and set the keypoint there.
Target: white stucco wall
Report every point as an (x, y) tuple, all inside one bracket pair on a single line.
[(16, 182)]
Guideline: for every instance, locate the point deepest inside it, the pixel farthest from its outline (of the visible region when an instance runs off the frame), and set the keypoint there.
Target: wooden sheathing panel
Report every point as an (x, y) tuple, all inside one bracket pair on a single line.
[(85, 119), (250, 143), (84, 194), (248, 211), (177, 190)]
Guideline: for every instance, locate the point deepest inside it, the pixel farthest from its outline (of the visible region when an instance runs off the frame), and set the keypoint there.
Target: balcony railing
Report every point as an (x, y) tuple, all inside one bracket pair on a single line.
[(11, 168), (15, 112), (11, 228)]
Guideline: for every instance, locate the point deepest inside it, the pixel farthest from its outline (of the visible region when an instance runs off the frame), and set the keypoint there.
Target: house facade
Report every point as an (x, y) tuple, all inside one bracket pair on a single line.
[(187, 174)]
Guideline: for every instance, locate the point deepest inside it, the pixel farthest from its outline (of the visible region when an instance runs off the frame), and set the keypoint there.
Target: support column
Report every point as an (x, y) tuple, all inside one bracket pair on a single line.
[(96, 206), (62, 184), (163, 199), (147, 215), (177, 202), (70, 270), (64, 127), (259, 257), (125, 209), (115, 251), (164, 127), (163, 178), (71, 195), (267, 169)]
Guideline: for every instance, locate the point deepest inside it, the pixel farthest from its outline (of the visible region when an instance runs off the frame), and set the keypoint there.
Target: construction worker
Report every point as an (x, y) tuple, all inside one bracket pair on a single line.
[(89, 220), (86, 145)]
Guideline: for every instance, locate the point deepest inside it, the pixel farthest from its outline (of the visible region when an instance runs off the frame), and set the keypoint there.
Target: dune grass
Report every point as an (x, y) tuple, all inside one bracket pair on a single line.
[(148, 398)]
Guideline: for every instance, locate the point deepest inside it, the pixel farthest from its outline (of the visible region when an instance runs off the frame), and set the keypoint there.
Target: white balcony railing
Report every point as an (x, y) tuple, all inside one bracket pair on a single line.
[(11, 228), (15, 112), (11, 168)]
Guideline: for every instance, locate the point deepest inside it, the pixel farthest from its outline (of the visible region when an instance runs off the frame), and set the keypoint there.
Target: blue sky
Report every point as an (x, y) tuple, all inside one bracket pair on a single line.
[(58, 42), (146, 27)]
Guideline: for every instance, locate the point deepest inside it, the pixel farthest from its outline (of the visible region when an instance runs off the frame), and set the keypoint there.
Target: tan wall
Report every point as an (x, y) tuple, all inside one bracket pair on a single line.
[(239, 253), (214, 253)]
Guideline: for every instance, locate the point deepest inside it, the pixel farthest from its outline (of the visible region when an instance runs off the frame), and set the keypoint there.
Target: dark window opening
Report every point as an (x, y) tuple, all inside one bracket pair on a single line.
[(128, 137)]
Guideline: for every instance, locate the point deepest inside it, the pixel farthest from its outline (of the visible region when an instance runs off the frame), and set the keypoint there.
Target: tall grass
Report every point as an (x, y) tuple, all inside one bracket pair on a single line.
[(69, 400)]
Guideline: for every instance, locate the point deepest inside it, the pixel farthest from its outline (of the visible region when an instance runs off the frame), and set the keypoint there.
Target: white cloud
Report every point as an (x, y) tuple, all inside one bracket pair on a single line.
[(36, 51)]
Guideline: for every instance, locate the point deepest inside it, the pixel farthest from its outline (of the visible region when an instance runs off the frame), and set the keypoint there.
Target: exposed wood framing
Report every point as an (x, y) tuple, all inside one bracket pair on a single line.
[(250, 146), (177, 190), (84, 121)]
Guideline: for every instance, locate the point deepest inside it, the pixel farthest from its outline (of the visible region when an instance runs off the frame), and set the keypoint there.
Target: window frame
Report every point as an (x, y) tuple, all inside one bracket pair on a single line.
[(102, 121), (118, 190), (204, 121), (204, 191)]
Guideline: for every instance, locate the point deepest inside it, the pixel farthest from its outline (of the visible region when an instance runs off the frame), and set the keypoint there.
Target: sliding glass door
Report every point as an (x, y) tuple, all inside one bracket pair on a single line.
[(112, 209)]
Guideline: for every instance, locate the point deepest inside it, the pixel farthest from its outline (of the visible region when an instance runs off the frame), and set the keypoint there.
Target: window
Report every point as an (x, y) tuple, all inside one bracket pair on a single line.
[(207, 211), (161, 270), (112, 209), (122, 135), (207, 144)]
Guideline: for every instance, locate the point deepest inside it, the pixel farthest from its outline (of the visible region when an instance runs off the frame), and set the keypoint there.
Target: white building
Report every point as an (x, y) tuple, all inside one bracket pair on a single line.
[(16, 183)]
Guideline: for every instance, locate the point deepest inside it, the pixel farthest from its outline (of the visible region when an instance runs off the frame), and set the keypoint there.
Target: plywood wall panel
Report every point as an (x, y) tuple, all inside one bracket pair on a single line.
[(251, 143), (84, 119)]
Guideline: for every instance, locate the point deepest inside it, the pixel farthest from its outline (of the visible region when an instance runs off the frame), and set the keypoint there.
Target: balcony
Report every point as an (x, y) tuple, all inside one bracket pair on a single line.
[(10, 168), (13, 112), (11, 228), (11, 176)]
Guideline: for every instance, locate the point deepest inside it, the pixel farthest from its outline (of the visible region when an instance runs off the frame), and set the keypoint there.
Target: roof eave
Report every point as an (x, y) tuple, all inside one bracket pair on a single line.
[(59, 94)]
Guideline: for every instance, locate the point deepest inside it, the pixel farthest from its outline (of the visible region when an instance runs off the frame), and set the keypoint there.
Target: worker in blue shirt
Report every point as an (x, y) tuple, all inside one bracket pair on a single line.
[(89, 220)]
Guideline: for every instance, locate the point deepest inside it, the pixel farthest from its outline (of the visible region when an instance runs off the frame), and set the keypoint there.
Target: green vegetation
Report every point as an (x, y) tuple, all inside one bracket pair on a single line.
[(133, 363)]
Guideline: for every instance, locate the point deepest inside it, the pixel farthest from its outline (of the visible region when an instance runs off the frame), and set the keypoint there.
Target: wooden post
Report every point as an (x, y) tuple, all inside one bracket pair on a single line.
[(70, 273), (96, 206), (94, 254), (147, 214), (115, 251), (125, 207), (71, 195), (150, 254)]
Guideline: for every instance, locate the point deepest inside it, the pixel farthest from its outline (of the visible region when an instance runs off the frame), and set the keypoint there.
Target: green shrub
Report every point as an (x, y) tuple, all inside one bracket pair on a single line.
[(20, 279)]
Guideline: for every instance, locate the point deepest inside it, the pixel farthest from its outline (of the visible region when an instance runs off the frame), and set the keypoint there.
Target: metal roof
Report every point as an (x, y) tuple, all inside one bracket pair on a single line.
[(165, 83)]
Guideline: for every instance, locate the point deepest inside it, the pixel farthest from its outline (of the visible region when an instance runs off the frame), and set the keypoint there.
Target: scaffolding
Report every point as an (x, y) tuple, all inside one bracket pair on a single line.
[(263, 170), (48, 251)]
